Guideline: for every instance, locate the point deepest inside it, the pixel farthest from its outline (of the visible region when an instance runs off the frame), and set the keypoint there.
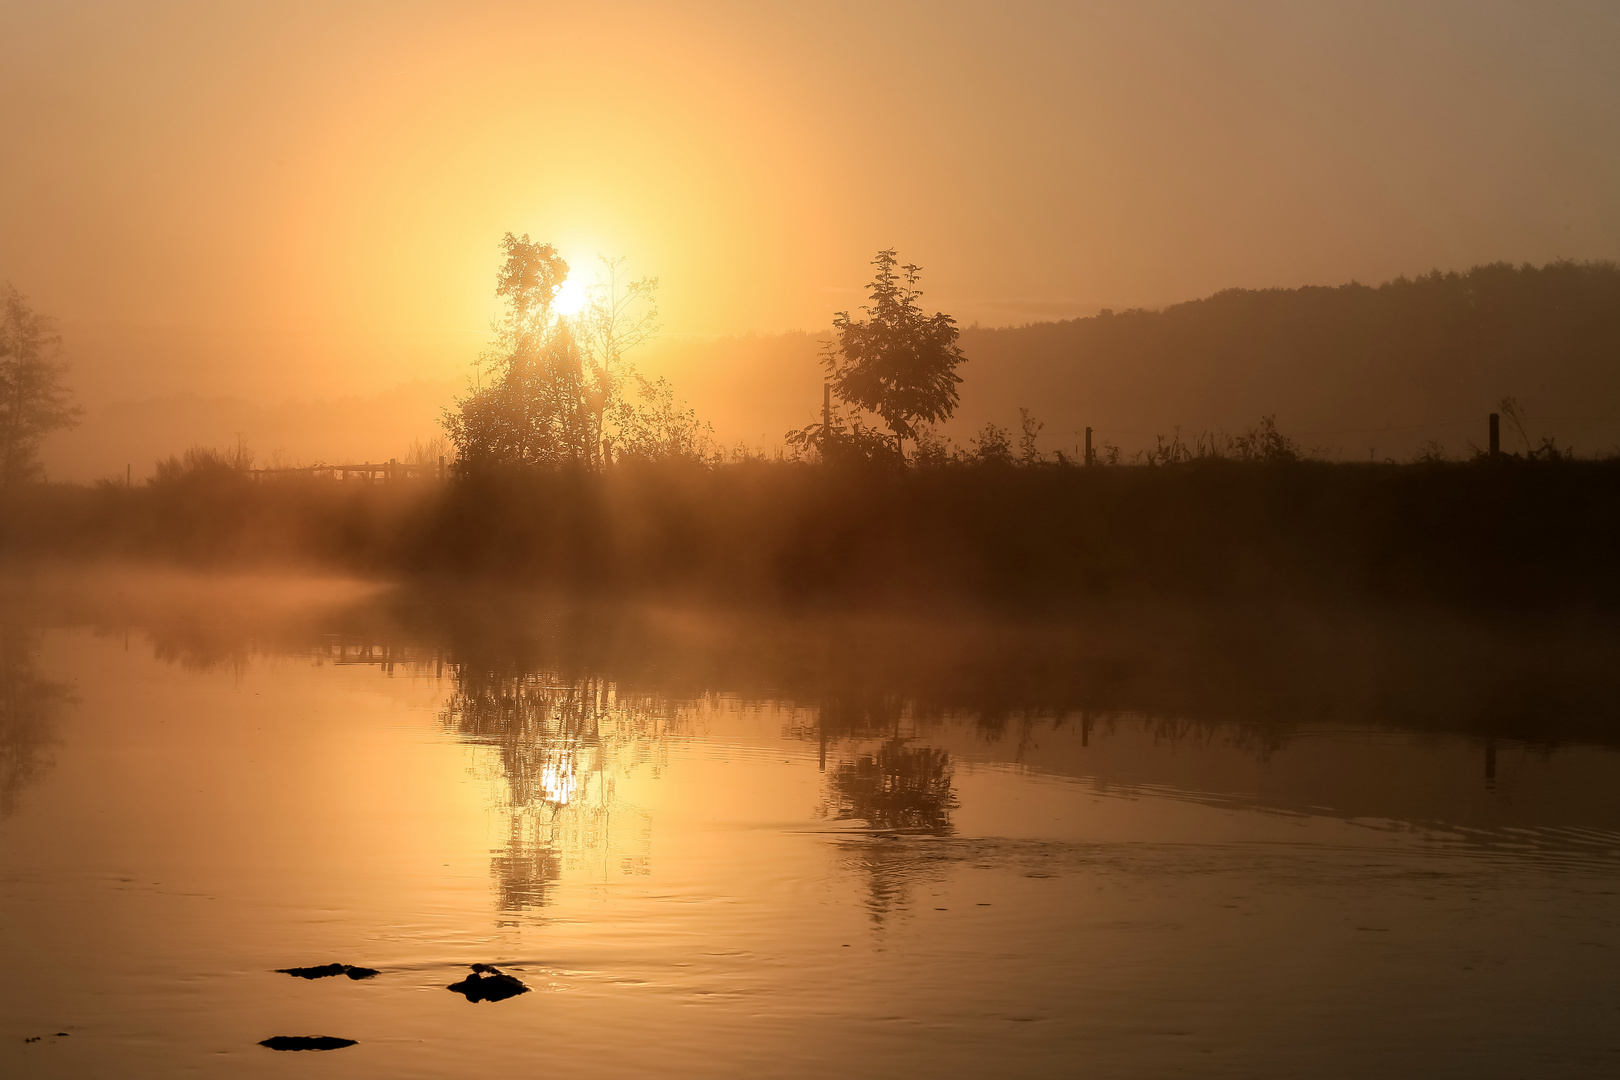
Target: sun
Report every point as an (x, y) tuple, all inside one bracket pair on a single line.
[(571, 297)]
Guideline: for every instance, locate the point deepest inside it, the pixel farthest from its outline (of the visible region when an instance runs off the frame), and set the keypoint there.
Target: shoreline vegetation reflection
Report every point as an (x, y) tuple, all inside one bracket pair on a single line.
[(30, 709), (565, 700)]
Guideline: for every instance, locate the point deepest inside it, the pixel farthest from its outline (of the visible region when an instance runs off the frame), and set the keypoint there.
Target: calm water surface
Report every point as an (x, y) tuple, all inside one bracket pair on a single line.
[(695, 880)]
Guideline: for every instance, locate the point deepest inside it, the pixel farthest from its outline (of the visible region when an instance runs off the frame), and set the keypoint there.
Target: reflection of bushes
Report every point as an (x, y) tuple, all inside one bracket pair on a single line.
[(29, 707), (899, 788)]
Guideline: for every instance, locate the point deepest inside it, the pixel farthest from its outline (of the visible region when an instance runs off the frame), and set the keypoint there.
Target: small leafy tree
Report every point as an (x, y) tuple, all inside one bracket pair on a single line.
[(33, 400), (1029, 452), (843, 439), (992, 445), (1266, 443), (655, 427), (897, 362)]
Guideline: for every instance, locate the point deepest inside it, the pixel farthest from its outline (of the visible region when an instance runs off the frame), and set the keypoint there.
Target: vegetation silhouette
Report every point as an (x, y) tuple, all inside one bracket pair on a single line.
[(562, 392), (898, 363), (34, 401), (574, 474), (1511, 534)]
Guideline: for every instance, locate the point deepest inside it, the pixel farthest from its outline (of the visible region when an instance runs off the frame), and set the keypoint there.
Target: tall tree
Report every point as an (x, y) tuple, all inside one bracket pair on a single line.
[(557, 390), (897, 362), (33, 399), (533, 409)]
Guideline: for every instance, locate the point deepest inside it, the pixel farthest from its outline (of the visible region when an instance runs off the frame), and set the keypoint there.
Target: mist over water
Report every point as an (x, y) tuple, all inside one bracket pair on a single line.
[(846, 844), (821, 540)]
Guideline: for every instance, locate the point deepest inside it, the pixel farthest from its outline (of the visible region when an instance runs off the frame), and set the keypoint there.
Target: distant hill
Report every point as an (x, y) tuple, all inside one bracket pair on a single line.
[(1347, 369)]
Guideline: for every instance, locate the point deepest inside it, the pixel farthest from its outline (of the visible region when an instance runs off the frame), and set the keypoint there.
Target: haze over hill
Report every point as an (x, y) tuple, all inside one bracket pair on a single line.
[(1350, 371)]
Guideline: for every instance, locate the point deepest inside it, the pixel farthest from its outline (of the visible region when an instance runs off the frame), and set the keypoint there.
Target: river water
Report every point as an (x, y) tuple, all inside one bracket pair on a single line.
[(696, 872)]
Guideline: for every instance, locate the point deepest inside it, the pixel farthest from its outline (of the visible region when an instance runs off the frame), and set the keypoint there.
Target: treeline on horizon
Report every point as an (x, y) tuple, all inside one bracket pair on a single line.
[(1350, 372), (573, 471)]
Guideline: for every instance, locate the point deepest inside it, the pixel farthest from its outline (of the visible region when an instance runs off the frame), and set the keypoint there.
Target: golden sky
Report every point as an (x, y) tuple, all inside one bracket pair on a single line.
[(284, 198)]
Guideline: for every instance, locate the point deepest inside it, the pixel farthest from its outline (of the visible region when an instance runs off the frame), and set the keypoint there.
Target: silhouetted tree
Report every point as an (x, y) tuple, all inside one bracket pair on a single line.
[(557, 390), (532, 412), (898, 362), (33, 401)]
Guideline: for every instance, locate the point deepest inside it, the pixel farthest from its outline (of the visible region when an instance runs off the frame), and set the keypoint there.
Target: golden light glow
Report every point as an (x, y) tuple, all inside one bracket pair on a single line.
[(572, 296), (1039, 166)]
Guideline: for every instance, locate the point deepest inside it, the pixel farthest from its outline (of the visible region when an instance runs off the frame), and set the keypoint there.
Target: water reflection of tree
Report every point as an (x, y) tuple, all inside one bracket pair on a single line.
[(29, 708), (898, 788), (559, 743)]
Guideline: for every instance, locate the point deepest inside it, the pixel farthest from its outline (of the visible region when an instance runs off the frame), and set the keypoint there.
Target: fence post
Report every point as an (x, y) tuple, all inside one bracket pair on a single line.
[(1496, 436), (826, 418), (393, 473), (1089, 459)]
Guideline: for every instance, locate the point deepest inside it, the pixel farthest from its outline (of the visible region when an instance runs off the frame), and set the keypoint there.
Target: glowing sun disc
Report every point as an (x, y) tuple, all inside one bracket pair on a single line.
[(571, 297)]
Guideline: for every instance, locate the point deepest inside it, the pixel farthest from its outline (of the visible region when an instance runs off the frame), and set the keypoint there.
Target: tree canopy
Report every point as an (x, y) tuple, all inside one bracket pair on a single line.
[(898, 362), (559, 389), (33, 398)]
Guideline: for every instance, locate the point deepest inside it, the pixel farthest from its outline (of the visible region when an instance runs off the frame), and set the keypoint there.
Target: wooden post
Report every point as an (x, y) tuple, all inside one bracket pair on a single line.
[(826, 418), (1496, 436), (441, 466), (392, 473), (1089, 459), (126, 474)]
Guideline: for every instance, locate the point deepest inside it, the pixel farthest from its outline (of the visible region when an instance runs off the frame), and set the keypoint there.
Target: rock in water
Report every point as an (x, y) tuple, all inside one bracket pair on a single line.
[(326, 971), (307, 1042), (487, 983)]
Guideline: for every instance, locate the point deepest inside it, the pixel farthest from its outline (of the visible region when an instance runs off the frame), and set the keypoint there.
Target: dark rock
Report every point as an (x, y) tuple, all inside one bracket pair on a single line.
[(486, 983), (326, 971), (307, 1042)]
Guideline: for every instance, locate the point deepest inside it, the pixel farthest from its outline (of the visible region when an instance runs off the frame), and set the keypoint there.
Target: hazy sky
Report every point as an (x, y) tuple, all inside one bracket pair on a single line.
[(306, 198)]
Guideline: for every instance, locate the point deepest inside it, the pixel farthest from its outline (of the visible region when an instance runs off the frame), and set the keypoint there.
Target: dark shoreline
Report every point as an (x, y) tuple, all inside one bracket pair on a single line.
[(1483, 536)]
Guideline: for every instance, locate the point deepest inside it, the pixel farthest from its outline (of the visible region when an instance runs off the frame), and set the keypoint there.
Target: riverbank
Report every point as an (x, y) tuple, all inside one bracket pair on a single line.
[(1489, 536)]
